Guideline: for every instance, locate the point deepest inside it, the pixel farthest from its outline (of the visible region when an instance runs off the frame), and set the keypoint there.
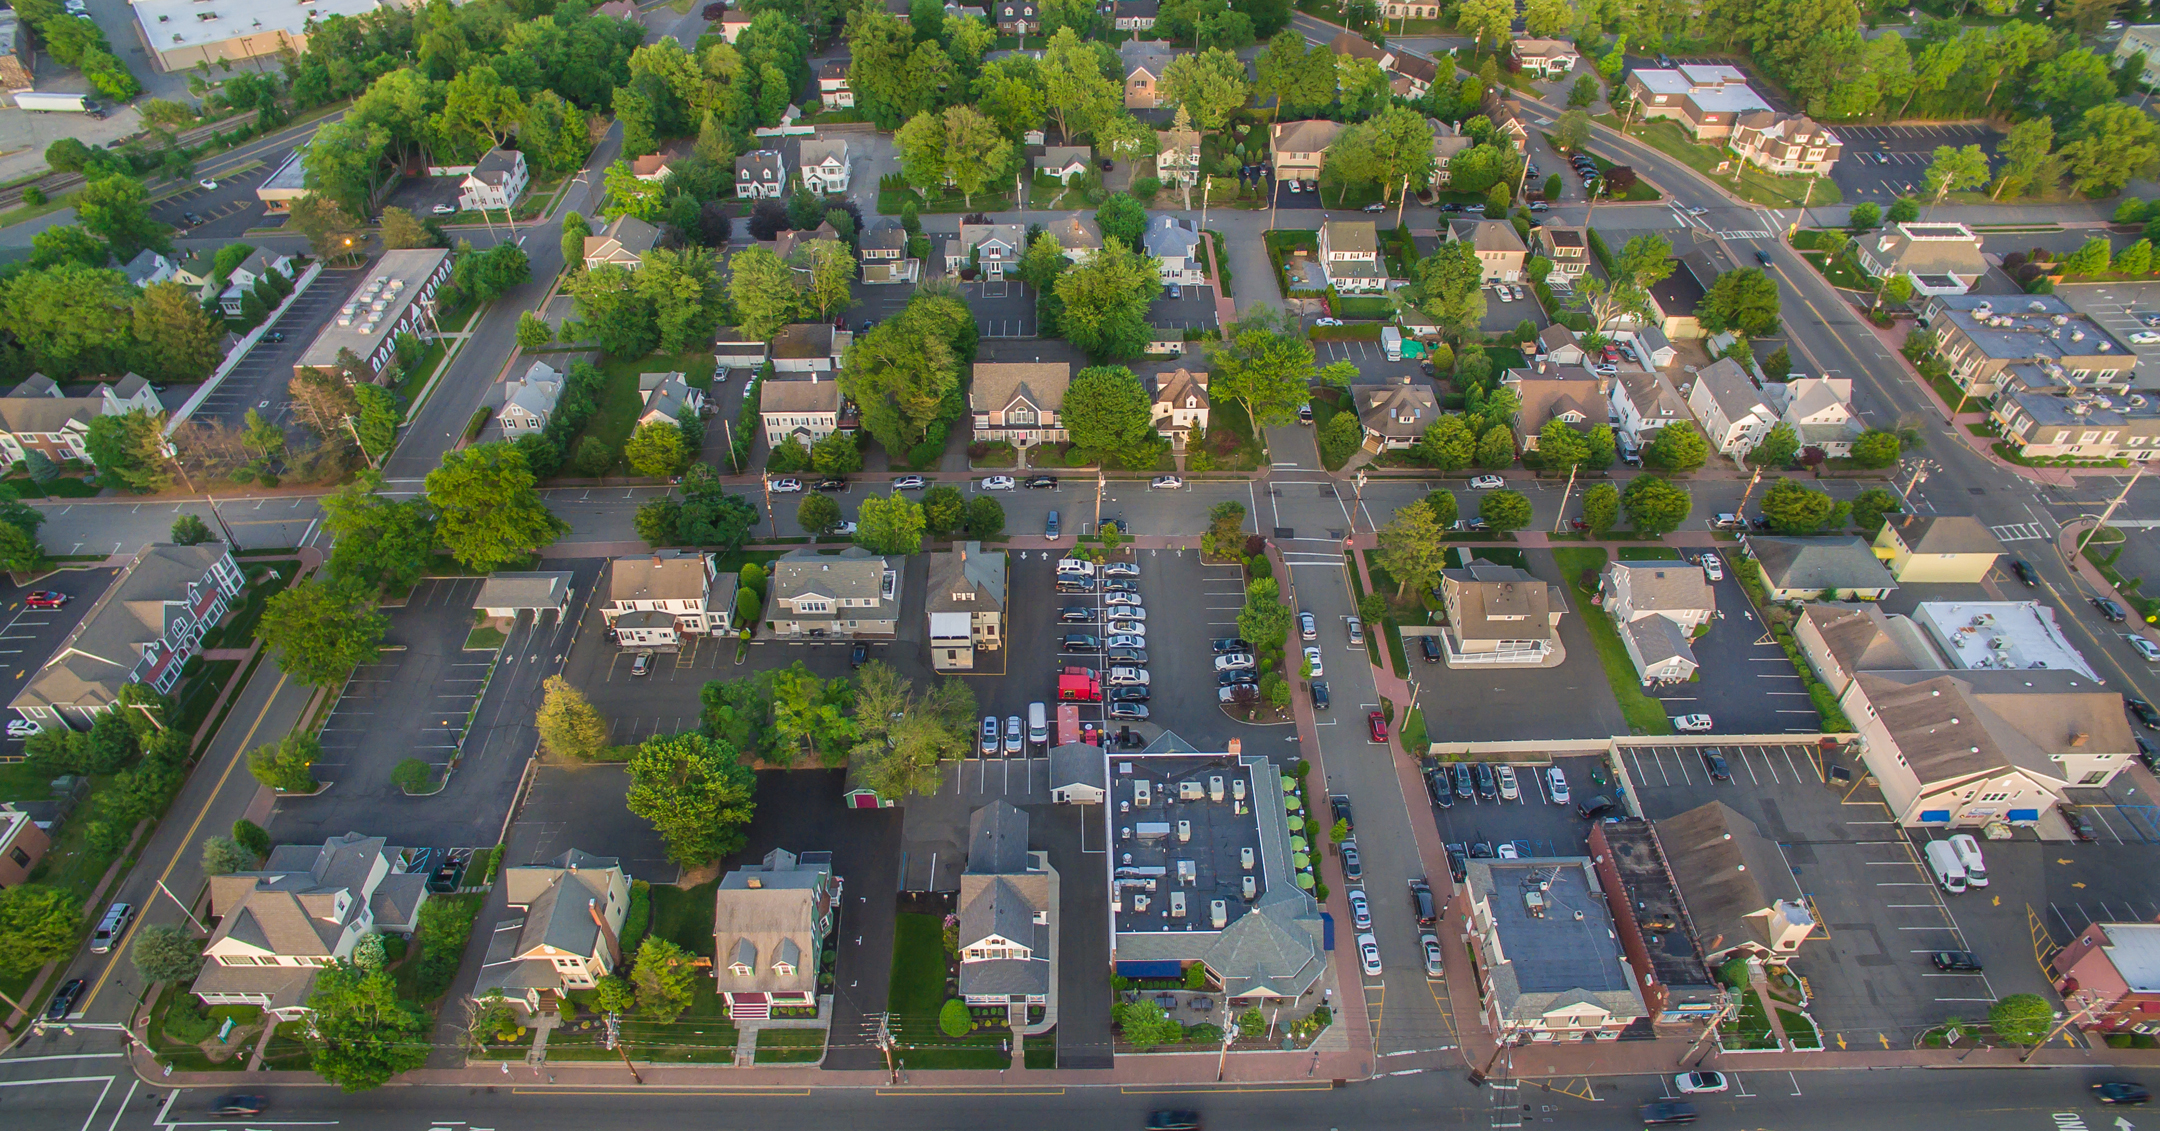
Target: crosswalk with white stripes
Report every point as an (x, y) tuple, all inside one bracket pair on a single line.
[(2019, 532)]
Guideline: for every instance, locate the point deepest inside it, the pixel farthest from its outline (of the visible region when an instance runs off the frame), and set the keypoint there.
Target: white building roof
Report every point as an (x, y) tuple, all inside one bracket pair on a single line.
[(168, 25)]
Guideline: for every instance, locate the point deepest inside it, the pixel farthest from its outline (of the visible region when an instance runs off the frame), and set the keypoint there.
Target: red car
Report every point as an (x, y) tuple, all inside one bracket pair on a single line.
[(45, 599), (1378, 723)]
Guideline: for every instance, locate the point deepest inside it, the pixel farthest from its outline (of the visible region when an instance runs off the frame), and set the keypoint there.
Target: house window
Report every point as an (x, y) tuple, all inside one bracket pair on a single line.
[(20, 857), (2094, 777), (1992, 797)]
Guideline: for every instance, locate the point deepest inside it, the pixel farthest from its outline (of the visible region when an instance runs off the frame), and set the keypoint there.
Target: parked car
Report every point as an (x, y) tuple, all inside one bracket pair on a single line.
[(1042, 483), (1233, 660), (1437, 788), (1712, 567), (1666, 1111), (444, 209), (63, 1000), (1081, 642), (998, 483), (2143, 712), (1120, 597), (1715, 763), (1368, 949), (2145, 338), (1072, 584), (111, 927), (1556, 784), (1312, 656), (1430, 945), (1077, 614), (1165, 483), (1014, 743), (786, 486), (1131, 694), (641, 664), (1488, 482), (44, 599), (1357, 630), (1128, 627), (1429, 647), (1376, 725), (1319, 691), (1689, 1083), (908, 483), (1121, 569), (2144, 647), (1956, 961), (1231, 644), (1488, 786), (2109, 609), (1464, 787), (1509, 791), (2081, 825), (858, 655), (1128, 652), (1308, 628), (1132, 711), (1595, 807), (1128, 677), (21, 728), (1360, 910), (274, 336), (1691, 724), (989, 734), (1236, 675), (2024, 572)]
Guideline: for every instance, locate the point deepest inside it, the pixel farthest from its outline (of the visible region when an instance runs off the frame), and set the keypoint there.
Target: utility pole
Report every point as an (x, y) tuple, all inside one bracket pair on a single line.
[(1740, 511), (361, 444), (1229, 1034), (1100, 485), (183, 907), (2112, 504), (173, 453), (1402, 201), (1360, 507), (1710, 1030), (772, 520), (1565, 495), (2083, 1011)]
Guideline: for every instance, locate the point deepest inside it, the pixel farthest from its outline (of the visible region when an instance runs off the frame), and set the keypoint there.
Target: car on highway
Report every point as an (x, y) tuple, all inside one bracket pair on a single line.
[(1956, 961), (1360, 910), (1691, 724), (1165, 483), (1368, 949), (1308, 628), (63, 999), (2144, 647), (2024, 572), (1690, 1083), (1430, 945), (1666, 1111), (44, 599), (1762, 257), (998, 483), (1488, 482), (908, 483), (989, 734), (238, 1105), (1353, 867), (1376, 725), (1713, 567), (1042, 483), (2121, 1092), (1556, 784), (786, 486), (1312, 656)]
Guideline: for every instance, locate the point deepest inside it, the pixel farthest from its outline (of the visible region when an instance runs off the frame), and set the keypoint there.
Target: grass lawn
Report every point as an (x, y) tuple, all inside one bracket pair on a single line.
[(703, 1035), (1845, 272), (1041, 1050), (1644, 714), (409, 385), (61, 488), (1385, 585), (1755, 186), (892, 201), (621, 403), (1635, 192), (916, 992), (1751, 1028), (790, 1046), (1504, 358), (1364, 306), (1241, 452), (1799, 1029), (179, 1025), (484, 637), (683, 916), (1648, 554)]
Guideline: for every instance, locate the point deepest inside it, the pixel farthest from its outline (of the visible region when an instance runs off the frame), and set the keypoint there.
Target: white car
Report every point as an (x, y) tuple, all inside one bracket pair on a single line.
[(1691, 724), (1556, 784), (1327, 321), (1312, 656), (1308, 628), (77, 8), (444, 209), (1430, 944), (1121, 598), (1128, 677), (1508, 851), (786, 486), (1712, 567), (847, 528), (208, 184), (1697, 211), (1012, 734), (998, 483), (1127, 628), (1368, 949), (1488, 483), (1360, 910), (1689, 1083), (1127, 642), (989, 734), (1509, 791), (1130, 612), (908, 483), (1165, 483), (1234, 661), (2145, 338), (21, 728), (2145, 648)]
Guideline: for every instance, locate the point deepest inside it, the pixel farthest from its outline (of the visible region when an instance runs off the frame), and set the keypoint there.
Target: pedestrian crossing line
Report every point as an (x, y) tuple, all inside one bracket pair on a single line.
[(1745, 235), (2019, 532)]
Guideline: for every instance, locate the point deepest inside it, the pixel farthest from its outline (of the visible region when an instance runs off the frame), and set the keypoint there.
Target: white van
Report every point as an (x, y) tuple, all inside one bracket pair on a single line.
[(1079, 567), (1968, 854), (1038, 725), (1943, 861)]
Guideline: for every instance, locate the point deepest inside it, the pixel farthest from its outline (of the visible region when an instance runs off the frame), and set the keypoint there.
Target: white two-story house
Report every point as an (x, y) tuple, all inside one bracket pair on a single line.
[(652, 600)]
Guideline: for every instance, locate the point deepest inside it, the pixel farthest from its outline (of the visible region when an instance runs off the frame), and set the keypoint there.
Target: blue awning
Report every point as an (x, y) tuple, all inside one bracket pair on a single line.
[(1934, 816), (1327, 930), (2027, 815), (1171, 969)]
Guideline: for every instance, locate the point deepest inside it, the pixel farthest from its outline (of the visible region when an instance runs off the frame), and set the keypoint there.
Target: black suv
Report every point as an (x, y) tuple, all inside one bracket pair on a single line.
[(1463, 788), (1081, 642), (1231, 644), (1961, 961), (63, 1000), (2143, 712), (2024, 572), (1430, 646), (1319, 695), (2109, 609), (1595, 807), (1487, 787)]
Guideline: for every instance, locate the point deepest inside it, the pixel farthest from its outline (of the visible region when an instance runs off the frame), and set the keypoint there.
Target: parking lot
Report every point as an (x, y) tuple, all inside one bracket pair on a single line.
[(1746, 684), (226, 212), (1502, 316), (1004, 308), (260, 381), (30, 636), (1193, 309), (1878, 912), (1512, 703), (1882, 163), (1533, 823), (420, 195)]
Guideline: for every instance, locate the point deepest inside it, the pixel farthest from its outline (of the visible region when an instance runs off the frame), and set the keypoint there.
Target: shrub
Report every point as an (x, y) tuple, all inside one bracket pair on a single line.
[(953, 1019), (413, 775)]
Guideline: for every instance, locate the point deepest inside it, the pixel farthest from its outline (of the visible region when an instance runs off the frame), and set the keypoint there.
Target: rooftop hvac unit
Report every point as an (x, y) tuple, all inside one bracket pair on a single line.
[(1214, 788), (348, 308), (1534, 903), (1219, 914), (1151, 830), (1184, 832), (1237, 788), (1251, 888), (2036, 306), (1187, 872), (1245, 858), (344, 319), (1141, 902), (1190, 791), (1177, 905), (1143, 792), (395, 285), (2060, 319)]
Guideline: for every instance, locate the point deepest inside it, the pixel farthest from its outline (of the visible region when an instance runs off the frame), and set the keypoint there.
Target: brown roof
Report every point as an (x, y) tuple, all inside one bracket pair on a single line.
[(1396, 411), (1726, 870), (1501, 602), (1173, 387), (782, 392), (1945, 534), (1949, 725), (998, 384), (1310, 136), (1564, 389), (667, 575)]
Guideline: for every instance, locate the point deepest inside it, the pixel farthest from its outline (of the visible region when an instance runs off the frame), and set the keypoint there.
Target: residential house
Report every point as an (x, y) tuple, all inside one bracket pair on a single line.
[(1078, 235), (655, 167), (1570, 394), (1448, 140), (1180, 405), (1820, 411), (884, 252), (1505, 113), (22, 845), (1674, 298), (250, 271), (1064, 162), (1135, 15), (2109, 976), (966, 605), (770, 921), (802, 407), (142, 629), (1300, 148), (1395, 415), (992, 249), (810, 347), (1018, 17), (854, 594), (1007, 912), (1708, 99), (2037, 341), (305, 909), (1786, 144), (1657, 606), (197, 272), (1939, 548), (1350, 256), (623, 243), (1500, 251), (1177, 157), (1017, 402), (733, 23), (1568, 246), (1498, 614), (1409, 10), (1175, 246), (1736, 884), (1145, 61), (1941, 258), (784, 244), (1413, 75), (1734, 413), (1643, 401), (18, 54), (1556, 345), (1651, 344), (561, 932), (823, 165), (148, 268), (1545, 58), (528, 402), (1808, 568), (653, 600), (37, 417), (761, 175), (1841, 641), (668, 397), (496, 181), (832, 83), (2083, 426), (1548, 957), (955, 11), (619, 9)]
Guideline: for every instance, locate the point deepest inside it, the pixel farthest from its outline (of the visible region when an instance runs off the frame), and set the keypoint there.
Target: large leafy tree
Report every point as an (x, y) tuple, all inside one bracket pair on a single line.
[(905, 374), (1262, 364), (1505, 510), (1209, 86), (116, 209), (1745, 300), (892, 524), (665, 978), (569, 726), (1079, 96), (37, 926), (697, 794), (763, 291), (322, 629), (1601, 508), (376, 540), (1448, 444), (1106, 410), (69, 319), (490, 514), (1654, 505), (1677, 448), (166, 953), (1448, 286), (1793, 508), (364, 1032), (1105, 301), (174, 338), (1265, 619), (1412, 548), (129, 449)]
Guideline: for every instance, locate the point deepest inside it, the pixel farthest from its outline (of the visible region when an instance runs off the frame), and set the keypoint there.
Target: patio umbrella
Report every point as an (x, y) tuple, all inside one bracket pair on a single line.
[(1301, 860), (1290, 803), (1289, 784), (1297, 844), (1304, 879), (1296, 823)]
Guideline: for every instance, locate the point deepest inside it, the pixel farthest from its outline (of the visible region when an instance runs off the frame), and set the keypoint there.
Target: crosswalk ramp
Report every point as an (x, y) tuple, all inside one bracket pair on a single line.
[(2019, 532)]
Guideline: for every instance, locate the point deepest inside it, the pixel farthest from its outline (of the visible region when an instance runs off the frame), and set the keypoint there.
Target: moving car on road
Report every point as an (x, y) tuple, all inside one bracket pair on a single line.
[(2121, 1092), (2024, 572), (238, 1105), (1666, 1111), (63, 1000)]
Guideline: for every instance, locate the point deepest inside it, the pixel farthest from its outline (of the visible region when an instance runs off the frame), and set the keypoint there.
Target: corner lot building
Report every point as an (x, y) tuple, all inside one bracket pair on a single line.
[(1549, 967)]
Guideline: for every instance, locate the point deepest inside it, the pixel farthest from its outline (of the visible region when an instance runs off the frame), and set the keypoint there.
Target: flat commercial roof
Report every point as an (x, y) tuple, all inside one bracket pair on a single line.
[(1206, 867), (1569, 944), (2016, 635), (358, 326), (169, 25)]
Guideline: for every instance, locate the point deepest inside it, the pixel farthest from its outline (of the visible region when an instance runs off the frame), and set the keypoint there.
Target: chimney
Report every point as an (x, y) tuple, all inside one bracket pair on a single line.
[(2079, 739), (755, 882), (1235, 747)]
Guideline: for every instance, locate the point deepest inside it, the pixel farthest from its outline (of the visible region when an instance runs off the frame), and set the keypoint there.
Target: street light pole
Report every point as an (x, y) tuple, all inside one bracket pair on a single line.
[(1565, 495), (2112, 504)]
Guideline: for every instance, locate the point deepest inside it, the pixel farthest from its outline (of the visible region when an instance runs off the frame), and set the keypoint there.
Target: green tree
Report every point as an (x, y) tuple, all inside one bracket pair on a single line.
[(657, 449), (695, 792), (37, 926), (1264, 366), (1792, 508), (1412, 548), (252, 836), (827, 268), (166, 953), (1505, 510), (944, 510), (1870, 507), (665, 978), (1145, 1026), (490, 514), (817, 514), (400, 229), (533, 331), (2137, 259), (1601, 508), (574, 230), (1448, 444), (986, 516), (1745, 300), (1560, 446), (1677, 447), (2023, 1019), (1443, 506), (2111, 144), (1448, 287), (1876, 448), (129, 449), (1496, 447), (1105, 301), (364, 1033), (287, 765), (376, 541), (836, 454), (1864, 215), (2091, 258), (320, 630), (174, 339), (222, 856), (1121, 215), (568, 725), (1778, 448), (889, 525), (116, 209), (612, 994), (1654, 506), (1265, 619), (1107, 411)]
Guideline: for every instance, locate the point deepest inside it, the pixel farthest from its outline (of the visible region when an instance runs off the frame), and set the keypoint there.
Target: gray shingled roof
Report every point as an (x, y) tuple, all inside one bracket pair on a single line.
[(1840, 561)]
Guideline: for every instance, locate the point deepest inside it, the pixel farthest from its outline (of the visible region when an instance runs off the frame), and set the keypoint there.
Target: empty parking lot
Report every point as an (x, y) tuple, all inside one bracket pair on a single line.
[(1882, 163)]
